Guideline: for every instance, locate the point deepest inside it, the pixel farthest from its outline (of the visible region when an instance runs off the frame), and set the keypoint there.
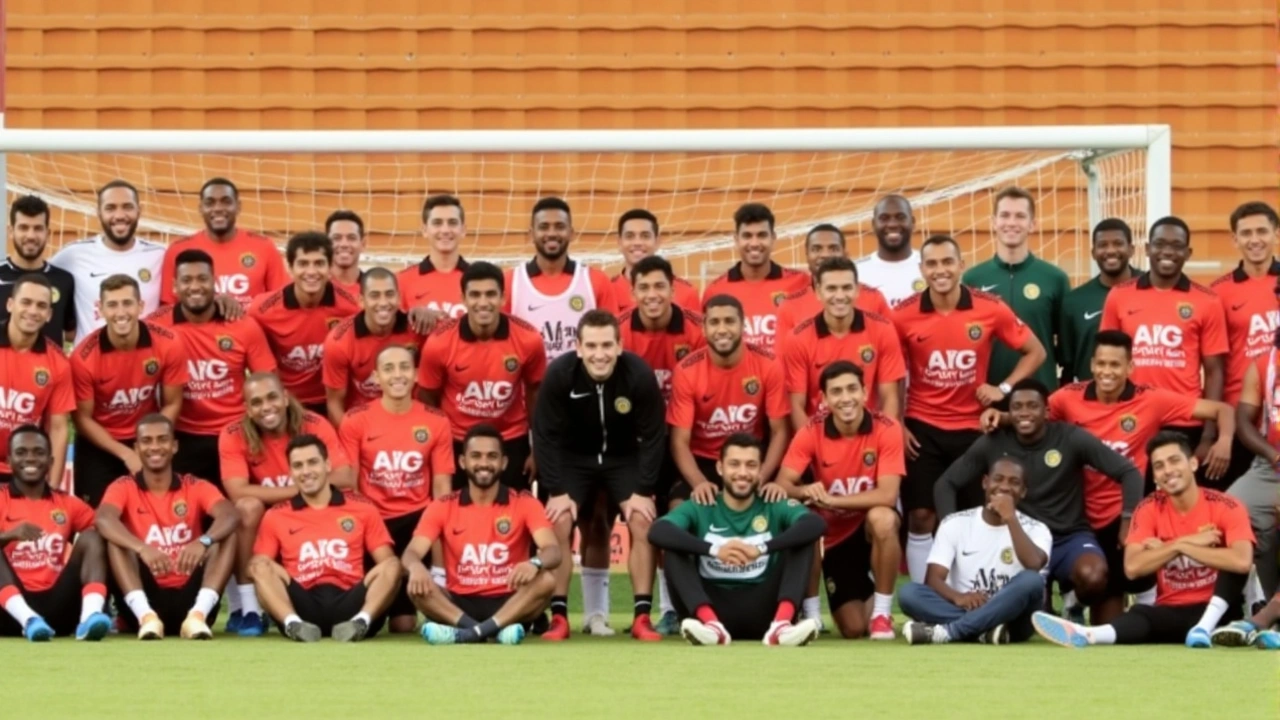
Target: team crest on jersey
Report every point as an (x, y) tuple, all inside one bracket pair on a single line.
[(1031, 291), (760, 523), (918, 285), (751, 385), (151, 366), (1128, 423), (224, 343), (144, 275), (420, 434), (778, 297), (247, 260), (576, 303), (1053, 458), (502, 525), (975, 332), (56, 295), (180, 508), (622, 405), (41, 377), (681, 351), (347, 524), (1185, 311), (869, 458), (1006, 556), (867, 353), (511, 363), (59, 517)]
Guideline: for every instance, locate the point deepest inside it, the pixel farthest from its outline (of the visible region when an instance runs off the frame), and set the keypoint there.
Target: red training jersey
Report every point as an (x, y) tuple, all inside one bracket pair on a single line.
[(482, 543), (269, 467), (35, 385), (804, 304), (425, 285), (297, 334), (760, 298), (662, 350), (38, 563), (947, 354), (167, 521), (683, 293), (871, 343), (397, 454), (351, 354), (1183, 581), (322, 545), (1252, 318), (244, 267), (714, 403), (125, 385)]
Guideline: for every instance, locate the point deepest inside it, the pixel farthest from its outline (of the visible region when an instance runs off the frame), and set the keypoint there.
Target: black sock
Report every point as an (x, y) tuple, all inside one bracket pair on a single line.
[(466, 621), (560, 606), (478, 633), (644, 604)]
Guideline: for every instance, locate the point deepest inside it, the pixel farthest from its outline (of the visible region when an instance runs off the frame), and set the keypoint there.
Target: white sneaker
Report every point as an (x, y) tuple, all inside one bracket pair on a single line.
[(700, 633), (150, 628), (598, 625), (787, 634), (195, 628)]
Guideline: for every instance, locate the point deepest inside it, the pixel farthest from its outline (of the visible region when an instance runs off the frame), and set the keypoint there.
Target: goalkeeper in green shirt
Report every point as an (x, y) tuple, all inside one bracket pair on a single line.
[(739, 567)]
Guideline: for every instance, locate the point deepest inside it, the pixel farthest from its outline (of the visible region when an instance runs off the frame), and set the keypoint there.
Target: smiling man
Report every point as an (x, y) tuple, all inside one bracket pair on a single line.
[(638, 238), (894, 268), (1082, 308), (29, 231), (432, 284), (346, 229)]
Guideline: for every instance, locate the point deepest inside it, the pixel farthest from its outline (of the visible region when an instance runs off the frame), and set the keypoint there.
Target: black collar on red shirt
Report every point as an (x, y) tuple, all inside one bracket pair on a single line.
[(38, 346), (532, 269), (329, 299), (675, 327), (175, 481), (502, 333), (735, 272), (335, 498), (1182, 285), (966, 300), (400, 325), (144, 338), (1239, 275), (16, 492), (824, 330), (180, 315), (1091, 391), (503, 497), (426, 266), (830, 430)]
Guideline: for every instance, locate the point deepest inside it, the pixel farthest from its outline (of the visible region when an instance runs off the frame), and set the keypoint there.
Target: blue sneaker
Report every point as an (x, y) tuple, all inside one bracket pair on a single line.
[(437, 634), (251, 625), (37, 630), (234, 621), (1267, 640), (1198, 638), (94, 628), (511, 634), (1059, 631), (1240, 633), (668, 624)]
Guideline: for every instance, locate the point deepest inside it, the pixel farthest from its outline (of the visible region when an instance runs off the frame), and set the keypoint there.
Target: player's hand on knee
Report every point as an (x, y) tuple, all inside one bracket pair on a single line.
[(23, 532), (773, 492), (521, 575), (561, 505), (972, 600), (191, 557), (910, 444), (157, 562), (641, 505), (704, 494), (420, 581)]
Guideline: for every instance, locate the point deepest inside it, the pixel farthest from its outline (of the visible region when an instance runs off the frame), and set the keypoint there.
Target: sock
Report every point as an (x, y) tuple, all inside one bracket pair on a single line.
[(206, 601), (811, 607), (560, 606), (786, 611), (918, 547), (1146, 597), (248, 598), (1253, 589), (1212, 614), (16, 605), (644, 605), (291, 618), (664, 598), (1100, 634), (93, 597), (1069, 600), (705, 614), (465, 622), (235, 599), (137, 602), (595, 592), (941, 634), (882, 605), (486, 629), (362, 615)]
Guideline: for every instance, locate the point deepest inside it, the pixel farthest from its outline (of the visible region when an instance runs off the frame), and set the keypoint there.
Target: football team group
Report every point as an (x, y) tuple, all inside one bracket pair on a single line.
[(340, 449)]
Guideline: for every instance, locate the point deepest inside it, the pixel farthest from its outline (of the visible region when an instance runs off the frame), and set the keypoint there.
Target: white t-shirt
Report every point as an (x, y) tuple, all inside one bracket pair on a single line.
[(92, 260), (979, 556), (896, 280)]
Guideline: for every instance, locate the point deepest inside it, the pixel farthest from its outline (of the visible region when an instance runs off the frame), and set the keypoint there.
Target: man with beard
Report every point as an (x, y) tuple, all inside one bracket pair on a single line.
[(29, 230), (492, 586), (738, 567), (219, 353), (894, 268), (117, 251), (1082, 308), (432, 285), (638, 238), (823, 243), (346, 230)]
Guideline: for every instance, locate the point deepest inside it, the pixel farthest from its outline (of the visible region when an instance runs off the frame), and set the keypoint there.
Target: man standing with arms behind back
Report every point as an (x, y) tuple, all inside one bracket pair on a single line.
[(1082, 308)]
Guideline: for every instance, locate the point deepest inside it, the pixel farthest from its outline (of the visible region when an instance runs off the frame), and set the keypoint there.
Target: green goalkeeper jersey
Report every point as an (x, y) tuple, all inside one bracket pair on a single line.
[(1034, 290), (759, 523)]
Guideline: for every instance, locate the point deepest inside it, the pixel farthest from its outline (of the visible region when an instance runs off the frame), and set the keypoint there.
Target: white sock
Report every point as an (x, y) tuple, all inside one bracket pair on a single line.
[(206, 601), (248, 599), (811, 608), (138, 604), (90, 604), (291, 618), (1213, 614), (18, 608), (1069, 600), (1099, 634), (882, 605), (1146, 597), (940, 634), (234, 603), (918, 547), (595, 592), (664, 600), (362, 615)]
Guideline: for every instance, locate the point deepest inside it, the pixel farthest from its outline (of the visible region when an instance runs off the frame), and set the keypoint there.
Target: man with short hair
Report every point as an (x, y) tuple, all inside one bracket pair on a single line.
[(984, 577), (309, 559), (757, 282), (29, 231), (492, 584), (738, 567), (121, 372), (1112, 249), (657, 328), (150, 519), (894, 268), (247, 264), (346, 230), (638, 238), (432, 285), (1198, 543), (44, 589), (824, 242), (298, 317)]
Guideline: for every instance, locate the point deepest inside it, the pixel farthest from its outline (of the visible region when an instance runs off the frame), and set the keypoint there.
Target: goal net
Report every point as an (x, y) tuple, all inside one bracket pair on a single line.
[(692, 180)]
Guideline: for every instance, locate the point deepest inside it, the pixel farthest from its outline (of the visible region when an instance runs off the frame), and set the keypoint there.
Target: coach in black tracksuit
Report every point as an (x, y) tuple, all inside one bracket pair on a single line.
[(1055, 455)]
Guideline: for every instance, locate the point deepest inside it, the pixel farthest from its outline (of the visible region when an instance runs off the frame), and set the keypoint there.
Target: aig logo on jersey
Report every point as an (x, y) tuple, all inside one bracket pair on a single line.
[(975, 332), (751, 385), (17, 402), (237, 285), (1128, 423), (151, 366), (1185, 311)]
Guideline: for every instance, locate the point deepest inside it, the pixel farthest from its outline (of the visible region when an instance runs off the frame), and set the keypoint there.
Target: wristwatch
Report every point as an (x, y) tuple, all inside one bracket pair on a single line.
[(1005, 388), (536, 562), (762, 548), (206, 541)]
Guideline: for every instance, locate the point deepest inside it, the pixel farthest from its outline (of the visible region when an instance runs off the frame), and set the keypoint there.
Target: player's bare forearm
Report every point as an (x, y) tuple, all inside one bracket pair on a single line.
[(890, 395), (935, 577), (1033, 356), (225, 520), (441, 485), (1141, 562), (798, 417), (550, 554), (885, 494), (59, 437), (113, 531), (1031, 557), (335, 405), (171, 398), (415, 551), (1237, 559), (1218, 413), (779, 438), (1247, 431), (789, 480), (98, 435), (1214, 380), (238, 488), (343, 478)]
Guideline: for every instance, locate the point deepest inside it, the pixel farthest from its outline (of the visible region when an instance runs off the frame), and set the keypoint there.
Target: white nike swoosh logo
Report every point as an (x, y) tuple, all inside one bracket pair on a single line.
[(1092, 315), (576, 396), (988, 288), (718, 529)]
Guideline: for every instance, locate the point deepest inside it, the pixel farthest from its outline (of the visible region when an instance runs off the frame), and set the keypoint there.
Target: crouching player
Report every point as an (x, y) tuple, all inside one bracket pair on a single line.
[(983, 579), (308, 561), (739, 567), (43, 591), (492, 586)]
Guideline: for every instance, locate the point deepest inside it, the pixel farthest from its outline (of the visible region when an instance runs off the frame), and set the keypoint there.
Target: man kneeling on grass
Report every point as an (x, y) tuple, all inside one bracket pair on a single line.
[(308, 559), (492, 585), (740, 567), (983, 580)]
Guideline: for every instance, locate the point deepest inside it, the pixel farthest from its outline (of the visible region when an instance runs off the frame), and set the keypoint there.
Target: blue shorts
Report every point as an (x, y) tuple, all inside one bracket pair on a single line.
[(1067, 549)]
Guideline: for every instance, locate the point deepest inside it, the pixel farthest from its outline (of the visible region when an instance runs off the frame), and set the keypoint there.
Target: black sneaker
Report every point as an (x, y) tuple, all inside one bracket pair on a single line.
[(998, 635), (352, 630), (918, 633), (302, 631)]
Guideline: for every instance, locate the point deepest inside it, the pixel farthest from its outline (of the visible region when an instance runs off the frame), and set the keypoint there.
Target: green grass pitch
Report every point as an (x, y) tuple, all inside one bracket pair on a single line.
[(232, 678)]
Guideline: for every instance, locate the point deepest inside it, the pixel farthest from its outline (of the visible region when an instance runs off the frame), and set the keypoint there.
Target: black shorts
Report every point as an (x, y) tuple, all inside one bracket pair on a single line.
[(94, 469), (328, 605), (171, 604), (938, 449), (516, 450), (585, 477), (1163, 624), (846, 570), (198, 455), (681, 490), (401, 531), (1118, 583), (480, 607), (58, 605)]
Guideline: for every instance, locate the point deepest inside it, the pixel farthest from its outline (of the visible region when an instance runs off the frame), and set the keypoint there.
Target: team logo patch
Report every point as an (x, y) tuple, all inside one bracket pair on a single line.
[(224, 343), (511, 363), (247, 260), (1128, 423), (918, 285), (1185, 311), (831, 586), (867, 353), (576, 303), (622, 405), (975, 332), (56, 296), (1006, 556), (420, 434), (778, 297), (751, 386), (793, 503), (760, 523), (59, 517), (1053, 458), (41, 377), (347, 524), (144, 275), (152, 366), (180, 508), (869, 458), (681, 351), (1031, 291), (503, 525)]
